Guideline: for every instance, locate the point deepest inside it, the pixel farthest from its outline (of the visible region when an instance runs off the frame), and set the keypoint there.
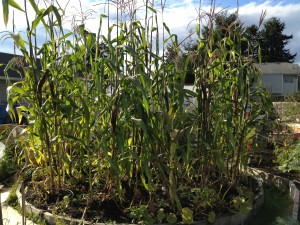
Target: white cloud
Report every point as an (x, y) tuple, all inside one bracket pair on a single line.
[(288, 13)]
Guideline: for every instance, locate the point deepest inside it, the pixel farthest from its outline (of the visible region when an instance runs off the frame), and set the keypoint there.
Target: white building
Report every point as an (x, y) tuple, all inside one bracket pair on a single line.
[(280, 78)]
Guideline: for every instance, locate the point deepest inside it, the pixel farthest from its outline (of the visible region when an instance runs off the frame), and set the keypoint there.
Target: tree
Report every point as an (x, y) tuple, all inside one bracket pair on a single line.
[(179, 56), (252, 34), (273, 42), (224, 26)]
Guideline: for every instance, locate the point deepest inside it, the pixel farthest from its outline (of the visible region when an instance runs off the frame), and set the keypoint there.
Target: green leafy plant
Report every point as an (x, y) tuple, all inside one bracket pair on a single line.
[(244, 201), (9, 150), (141, 215), (187, 216), (161, 215), (211, 217), (289, 111), (288, 157), (171, 218)]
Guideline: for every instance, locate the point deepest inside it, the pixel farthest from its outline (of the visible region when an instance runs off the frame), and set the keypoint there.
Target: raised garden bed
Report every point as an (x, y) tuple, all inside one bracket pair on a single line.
[(229, 219)]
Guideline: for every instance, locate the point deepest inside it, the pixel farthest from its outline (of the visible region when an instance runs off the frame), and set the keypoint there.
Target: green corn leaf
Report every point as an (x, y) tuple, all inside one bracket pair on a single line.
[(65, 37), (81, 29), (146, 104), (198, 30), (44, 13), (36, 22), (167, 28), (190, 93), (71, 137), (86, 112), (57, 15), (5, 11), (113, 164), (12, 3), (151, 9), (145, 182), (5, 8), (34, 6), (171, 36), (18, 40), (251, 133), (16, 89), (9, 66), (153, 29)]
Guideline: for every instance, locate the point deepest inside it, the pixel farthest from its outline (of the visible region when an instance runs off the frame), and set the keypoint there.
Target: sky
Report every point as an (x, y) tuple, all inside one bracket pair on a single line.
[(179, 15)]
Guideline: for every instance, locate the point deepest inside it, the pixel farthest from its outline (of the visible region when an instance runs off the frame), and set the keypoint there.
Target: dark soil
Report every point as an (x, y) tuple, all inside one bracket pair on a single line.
[(76, 203)]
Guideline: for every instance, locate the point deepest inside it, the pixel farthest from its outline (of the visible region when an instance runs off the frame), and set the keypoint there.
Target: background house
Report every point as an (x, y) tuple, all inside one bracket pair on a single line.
[(13, 76), (280, 78)]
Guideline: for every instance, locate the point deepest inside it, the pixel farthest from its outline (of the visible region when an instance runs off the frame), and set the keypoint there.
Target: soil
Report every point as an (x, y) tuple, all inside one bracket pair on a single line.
[(76, 203), (102, 207)]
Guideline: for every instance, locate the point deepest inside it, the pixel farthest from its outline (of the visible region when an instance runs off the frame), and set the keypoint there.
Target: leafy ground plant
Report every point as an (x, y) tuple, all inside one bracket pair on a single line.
[(8, 155), (288, 157)]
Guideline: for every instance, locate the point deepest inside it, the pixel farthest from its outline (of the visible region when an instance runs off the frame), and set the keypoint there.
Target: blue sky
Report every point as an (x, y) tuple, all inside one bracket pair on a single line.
[(179, 16)]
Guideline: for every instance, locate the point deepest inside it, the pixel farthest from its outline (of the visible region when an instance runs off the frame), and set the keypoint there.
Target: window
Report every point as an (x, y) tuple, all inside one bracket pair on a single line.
[(288, 79)]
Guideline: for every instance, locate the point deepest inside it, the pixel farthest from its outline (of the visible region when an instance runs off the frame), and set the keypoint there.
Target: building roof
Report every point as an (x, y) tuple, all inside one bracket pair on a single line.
[(5, 58), (279, 68)]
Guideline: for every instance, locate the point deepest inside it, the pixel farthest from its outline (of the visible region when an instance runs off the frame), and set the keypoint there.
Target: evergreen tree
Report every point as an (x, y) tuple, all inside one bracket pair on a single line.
[(224, 26), (178, 57), (252, 34), (273, 42)]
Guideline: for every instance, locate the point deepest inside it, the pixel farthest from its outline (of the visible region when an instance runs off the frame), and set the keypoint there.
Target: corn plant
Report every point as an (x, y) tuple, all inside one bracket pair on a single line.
[(226, 83)]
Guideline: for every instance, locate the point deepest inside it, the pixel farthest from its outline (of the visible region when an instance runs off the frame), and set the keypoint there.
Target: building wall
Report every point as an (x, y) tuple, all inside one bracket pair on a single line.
[(280, 85), (273, 83), (3, 91), (290, 84)]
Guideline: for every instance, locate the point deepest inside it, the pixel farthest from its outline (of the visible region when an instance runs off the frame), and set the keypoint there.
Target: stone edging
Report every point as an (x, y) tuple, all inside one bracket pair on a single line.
[(232, 219)]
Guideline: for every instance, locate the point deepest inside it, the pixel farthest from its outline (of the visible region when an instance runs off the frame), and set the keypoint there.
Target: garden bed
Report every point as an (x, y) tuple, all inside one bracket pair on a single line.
[(47, 211)]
